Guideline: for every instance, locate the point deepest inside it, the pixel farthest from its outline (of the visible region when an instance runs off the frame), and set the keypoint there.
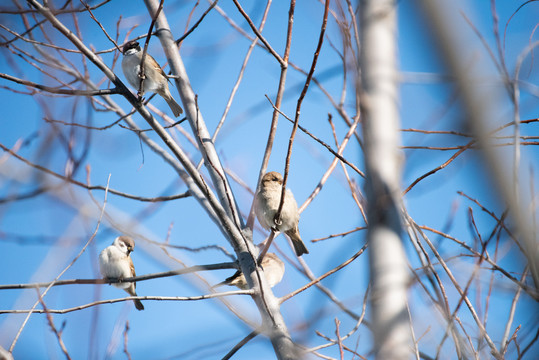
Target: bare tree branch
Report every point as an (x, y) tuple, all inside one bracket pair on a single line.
[(387, 259)]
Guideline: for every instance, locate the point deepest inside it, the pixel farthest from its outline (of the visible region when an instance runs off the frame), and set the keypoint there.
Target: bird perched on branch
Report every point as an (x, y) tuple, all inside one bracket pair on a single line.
[(115, 263), (273, 269), (267, 200), (155, 79)]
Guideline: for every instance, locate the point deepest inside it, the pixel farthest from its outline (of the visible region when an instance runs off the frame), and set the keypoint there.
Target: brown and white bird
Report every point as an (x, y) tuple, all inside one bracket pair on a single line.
[(115, 263), (273, 269), (155, 78), (267, 200)]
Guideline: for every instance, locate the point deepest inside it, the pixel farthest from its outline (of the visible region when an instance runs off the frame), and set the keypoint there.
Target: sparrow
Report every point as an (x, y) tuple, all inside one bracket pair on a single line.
[(273, 269), (115, 263), (155, 78), (267, 200)]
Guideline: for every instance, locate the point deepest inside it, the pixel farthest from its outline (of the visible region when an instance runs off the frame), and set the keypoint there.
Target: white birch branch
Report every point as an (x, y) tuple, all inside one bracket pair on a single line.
[(379, 98), (194, 115), (273, 324)]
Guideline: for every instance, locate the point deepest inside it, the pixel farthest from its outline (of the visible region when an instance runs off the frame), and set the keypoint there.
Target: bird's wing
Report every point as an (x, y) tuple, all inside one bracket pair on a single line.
[(132, 267), (156, 66)]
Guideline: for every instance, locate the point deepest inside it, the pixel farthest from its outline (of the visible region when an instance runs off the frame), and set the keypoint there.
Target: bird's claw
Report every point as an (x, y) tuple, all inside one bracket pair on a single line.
[(111, 281)]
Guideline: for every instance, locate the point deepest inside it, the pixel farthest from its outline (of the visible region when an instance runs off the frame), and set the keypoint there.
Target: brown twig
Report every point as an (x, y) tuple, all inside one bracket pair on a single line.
[(438, 168), (318, 279), (499, 220), (332, 166), (89, 9), (239, 345), (338, 334), (277, 218), (240, 75), (328, 147), (57, 333), (351, 184), (278, 101), (464, 298), (126, 330), (259, 35), (529, 290), (56, 90), (142, 75), (195, 25), (56, 12), (340, 234), (80, 184), (14, 342)]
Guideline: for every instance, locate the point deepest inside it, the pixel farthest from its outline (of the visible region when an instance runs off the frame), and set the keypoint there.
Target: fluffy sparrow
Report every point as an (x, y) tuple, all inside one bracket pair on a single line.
[(155, 78), (267, 200), (273, 269), (115, 263)]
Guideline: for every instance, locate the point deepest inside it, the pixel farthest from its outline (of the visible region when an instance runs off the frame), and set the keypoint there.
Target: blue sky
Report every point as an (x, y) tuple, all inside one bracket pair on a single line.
[(40, 236)]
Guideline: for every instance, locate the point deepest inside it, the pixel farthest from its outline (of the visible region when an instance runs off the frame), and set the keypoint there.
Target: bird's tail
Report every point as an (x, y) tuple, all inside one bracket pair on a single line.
[(131, 291), (138, 304), (174, 106), (299, 246), (222, 283), (229, 280)]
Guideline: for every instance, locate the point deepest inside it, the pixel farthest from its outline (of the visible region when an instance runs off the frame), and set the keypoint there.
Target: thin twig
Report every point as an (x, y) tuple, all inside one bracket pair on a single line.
[(187, 270), (339, 341), (239, 345), (340, 234), (126, 330), (56, 90), (278, 101), (195, 25), (333, 152), (64, 270), (82, 185), (89, 9), (129, 298), (258, 34), (57, 333), (277, 218), (142, 74), (320, 278)]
